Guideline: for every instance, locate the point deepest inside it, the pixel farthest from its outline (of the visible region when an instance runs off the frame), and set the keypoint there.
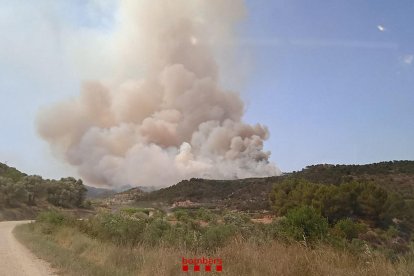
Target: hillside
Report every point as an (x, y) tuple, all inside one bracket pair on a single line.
[(395, 176), (23, 196), (253, 193), (93, 192), (10, 172), (126, 197), (240, 194)]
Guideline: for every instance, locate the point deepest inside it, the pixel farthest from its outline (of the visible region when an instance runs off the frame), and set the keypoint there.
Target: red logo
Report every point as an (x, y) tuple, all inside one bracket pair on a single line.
[(202, 264)]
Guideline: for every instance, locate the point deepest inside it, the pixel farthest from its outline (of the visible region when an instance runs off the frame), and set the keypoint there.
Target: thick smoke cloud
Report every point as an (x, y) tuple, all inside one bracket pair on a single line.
[(173, 123)]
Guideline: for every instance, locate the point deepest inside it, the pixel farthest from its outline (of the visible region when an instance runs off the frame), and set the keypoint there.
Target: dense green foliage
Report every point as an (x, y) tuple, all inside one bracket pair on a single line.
[(9, 172), (334, 173), (357, 212), (17, 189), (32, 190), (354, 199), (348, 229), (55, 218), (366, 201), (131, 229), (185, 229), (304, 223), (395, 176)]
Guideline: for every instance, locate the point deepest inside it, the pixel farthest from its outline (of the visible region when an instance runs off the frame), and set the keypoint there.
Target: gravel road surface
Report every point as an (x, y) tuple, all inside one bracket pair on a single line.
[(15, 259)]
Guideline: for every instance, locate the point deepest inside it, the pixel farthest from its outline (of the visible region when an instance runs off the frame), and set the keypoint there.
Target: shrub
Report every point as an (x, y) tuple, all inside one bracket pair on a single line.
[(392, 232), (115, 227), (131, 211), (182, 235), (304, 222), (182, 215), (54, 217), (155, 231), (236, 219), (346, 228), (217, 235), (204, 214), (367, 201)]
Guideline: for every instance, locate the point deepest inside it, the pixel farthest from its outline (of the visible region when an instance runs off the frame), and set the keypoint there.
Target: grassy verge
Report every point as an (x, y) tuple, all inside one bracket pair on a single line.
[(61, 257), (75, 253)]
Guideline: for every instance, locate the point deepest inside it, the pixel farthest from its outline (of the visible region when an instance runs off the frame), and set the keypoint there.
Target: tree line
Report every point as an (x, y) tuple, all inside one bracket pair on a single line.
[(359, 200), (33, 190)]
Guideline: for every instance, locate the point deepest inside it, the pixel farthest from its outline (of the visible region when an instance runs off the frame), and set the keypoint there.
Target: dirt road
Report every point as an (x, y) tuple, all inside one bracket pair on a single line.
[(15, 259)]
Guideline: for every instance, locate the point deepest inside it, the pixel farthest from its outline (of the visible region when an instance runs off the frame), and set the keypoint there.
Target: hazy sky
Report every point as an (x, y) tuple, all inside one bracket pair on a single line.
[(333, 80)]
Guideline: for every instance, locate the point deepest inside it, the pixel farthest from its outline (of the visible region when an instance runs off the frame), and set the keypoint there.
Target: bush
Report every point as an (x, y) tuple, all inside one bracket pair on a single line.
[(182, 235), (346, 228), (304, 222), (182, 215), (155, 230), (54, 217), (217, 235), (116, 228), (236, 219), (367, 201), (205, 215), (392, 232), (131, 211)]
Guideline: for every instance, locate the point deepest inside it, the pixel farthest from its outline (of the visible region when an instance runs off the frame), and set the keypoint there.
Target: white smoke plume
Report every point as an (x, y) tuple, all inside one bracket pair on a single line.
[(168, 119)]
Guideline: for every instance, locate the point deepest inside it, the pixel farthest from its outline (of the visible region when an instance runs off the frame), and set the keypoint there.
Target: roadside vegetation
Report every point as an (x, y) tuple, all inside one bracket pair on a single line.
[(140, 242), (358, 211)]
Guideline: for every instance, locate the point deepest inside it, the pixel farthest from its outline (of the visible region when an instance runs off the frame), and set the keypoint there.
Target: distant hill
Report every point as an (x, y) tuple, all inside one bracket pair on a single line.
[(148, 189), (253, 193), (93, 192), (101, 193), (395, 176), (249, 193), (130, 195)]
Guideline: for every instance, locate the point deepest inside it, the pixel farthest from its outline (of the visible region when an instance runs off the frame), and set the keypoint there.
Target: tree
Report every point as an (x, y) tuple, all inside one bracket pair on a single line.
[(366, 201), (12, 193)]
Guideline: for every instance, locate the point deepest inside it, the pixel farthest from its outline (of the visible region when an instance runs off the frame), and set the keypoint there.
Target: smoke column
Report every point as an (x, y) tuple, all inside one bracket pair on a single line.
[(166, 118)]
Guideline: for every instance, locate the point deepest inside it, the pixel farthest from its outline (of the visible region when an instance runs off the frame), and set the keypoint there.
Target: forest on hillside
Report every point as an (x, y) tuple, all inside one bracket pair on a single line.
[(30, 193), (396, 177)]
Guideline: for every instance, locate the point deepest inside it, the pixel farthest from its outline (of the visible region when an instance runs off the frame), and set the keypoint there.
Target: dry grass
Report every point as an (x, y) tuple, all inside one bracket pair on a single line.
[(74, 253), (281, 259)]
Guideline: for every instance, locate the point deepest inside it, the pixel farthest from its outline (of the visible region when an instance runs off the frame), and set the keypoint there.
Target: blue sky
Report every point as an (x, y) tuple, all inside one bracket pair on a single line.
[(334, 88), (332, 80)]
